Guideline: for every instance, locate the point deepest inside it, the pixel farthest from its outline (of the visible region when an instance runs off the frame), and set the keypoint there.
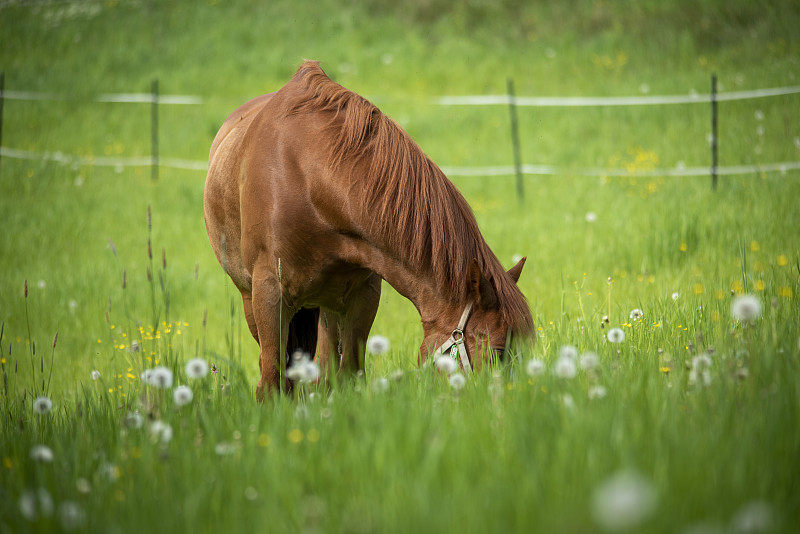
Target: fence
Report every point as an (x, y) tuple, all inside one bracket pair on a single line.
[(518, 169)]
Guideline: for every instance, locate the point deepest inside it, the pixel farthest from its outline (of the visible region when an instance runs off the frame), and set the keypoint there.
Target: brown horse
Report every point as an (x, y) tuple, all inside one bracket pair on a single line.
[(312, 197)]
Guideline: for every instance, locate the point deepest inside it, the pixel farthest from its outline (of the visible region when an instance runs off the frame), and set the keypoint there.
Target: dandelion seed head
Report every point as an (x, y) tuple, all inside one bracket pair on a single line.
[(303, 370), (754, 517), (457, 381), (182, 395), (134, 420), (42, 405), (565, 368), (568, 351), (377, 345), (623, 501), (160, 431), (41, 453), (159, 377), (616, 335), (676, 296), (95, 375), (591, 217), (746, 308), (535, 367), (589, 361), (71, 515), (446, 364), (597, 392), (568, 401), (33, 504), (636, 314), (380, 385), (196, 368)]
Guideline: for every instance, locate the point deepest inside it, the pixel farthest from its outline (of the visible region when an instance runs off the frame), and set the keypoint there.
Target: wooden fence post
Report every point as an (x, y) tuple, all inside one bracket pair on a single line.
[(154, 130), (512, 110)]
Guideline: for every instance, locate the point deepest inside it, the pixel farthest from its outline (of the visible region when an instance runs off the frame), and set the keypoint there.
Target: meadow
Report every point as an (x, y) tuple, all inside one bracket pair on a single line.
[(686, 424)]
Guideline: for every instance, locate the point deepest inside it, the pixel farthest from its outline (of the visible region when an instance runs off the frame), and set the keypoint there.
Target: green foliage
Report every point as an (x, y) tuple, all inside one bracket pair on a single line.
[(509, 451)]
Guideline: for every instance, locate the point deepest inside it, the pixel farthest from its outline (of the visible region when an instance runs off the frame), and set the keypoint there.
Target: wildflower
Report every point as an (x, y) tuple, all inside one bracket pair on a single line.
[(700, 370), (623, 501), (535, 367), (589, 361), (196, 368), (396, 375), (250, 493), (71, 515), (225, 448), (597, 392), (457, 381), (303, 370), (95, 375), (377, 345), (756, 516), (591, 217), (182, 395), (42, 453), (33, 504), (565, 367), (676, 296), (446, 364), (746, 308), (616, 335), (569, 403), (160, 431), (568, 351), (42, 405), (636, 314), (134, 420), (380, 385), (83, 486), (159, 377)]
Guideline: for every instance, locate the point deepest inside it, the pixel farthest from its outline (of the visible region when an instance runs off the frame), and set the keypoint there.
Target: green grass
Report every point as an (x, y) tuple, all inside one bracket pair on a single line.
[(506, 453)]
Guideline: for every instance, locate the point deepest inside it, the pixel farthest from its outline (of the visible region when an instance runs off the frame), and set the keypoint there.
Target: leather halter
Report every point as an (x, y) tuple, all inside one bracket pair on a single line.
[(455, 347)]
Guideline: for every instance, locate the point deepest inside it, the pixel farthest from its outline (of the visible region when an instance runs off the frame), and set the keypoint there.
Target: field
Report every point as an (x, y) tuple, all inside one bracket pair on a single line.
[(688, 424)]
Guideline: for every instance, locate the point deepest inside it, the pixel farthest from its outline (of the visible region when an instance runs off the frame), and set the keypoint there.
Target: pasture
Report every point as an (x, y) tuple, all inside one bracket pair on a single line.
[(688, 424)]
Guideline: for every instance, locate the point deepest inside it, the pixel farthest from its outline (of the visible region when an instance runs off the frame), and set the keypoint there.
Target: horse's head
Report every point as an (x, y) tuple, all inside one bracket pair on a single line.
[(476, 333)]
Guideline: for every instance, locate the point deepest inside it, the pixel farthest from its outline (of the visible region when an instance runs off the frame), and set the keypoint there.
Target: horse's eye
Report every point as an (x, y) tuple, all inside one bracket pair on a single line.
[(498, 354)]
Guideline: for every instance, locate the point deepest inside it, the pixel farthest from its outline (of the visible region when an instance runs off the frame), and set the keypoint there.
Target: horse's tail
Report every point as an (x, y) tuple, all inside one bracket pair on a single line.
[(303, 332)]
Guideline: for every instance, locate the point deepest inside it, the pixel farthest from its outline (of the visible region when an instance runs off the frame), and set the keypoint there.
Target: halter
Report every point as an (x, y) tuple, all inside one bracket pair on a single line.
[(455, 343)]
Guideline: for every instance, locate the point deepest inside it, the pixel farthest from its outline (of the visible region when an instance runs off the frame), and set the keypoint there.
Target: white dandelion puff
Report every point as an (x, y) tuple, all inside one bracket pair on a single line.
[(71, 515), (676, 296), (380, 385), (159, 377), (303, 370), (568, 401), (636, 314), (565, 368), (95, 375), (589, 361), (196, 368), (597, 392), (446, 364), (41, 453), (33, 504), (457, 381), (225, 448), (160, 431), (623, 501), (134, 420), (746, 308), (83, 486), (377, 345), (182, 395), (616, 335), (568, 351), (42, 405), (591, 217), (535, 367), (754, 517)]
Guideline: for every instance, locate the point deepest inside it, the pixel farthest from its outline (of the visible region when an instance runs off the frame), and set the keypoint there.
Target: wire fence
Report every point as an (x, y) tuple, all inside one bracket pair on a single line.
[(156, 100)]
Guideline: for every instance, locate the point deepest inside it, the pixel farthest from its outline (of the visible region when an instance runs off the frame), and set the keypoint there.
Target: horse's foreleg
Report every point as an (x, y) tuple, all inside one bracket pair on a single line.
[(358, 320), (271, 318), (327, 351)]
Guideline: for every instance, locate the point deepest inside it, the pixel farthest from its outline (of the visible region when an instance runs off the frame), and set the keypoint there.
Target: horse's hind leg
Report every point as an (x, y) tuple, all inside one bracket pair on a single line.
[(271, 318), (247, 301), (358, 321), (328, 340)]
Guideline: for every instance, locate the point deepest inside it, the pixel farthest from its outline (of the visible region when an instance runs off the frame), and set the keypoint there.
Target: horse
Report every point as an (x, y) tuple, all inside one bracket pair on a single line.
[(313, 197)]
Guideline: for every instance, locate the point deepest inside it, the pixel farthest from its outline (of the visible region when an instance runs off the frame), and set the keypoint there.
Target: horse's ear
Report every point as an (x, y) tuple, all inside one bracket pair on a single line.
[(480, 288), (516, 270)]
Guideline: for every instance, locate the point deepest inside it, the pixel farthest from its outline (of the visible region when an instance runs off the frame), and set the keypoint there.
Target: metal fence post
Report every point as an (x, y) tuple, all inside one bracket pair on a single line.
[(154, 130), (714, 155), (512, 110)]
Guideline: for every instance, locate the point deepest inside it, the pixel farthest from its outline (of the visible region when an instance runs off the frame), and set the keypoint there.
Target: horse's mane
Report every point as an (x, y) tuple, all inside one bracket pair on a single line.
[(408, 198)]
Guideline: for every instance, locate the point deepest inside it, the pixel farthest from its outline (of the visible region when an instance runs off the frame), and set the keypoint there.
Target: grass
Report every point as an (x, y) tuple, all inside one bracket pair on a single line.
[(507, 452)]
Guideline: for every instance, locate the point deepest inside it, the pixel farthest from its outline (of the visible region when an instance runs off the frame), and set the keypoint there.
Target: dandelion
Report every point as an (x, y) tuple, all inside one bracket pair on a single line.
[(134, 420), (377, 345), (160, 431), (568, 351), (196, 368), (225, 448), (95, 375), (565, 368), (42, 405), (41, 453), (71, 515), (591, 217), (676, 296), (616, 335), (446, 364), (623, 501), (700, 370), (589, 361), (597, 392), (568, 401), (380, 385), (182, 395), (746, 308), (636, 314), (32, 504), (457, 381), (160, 377), (754, 517), (303, 370), (535, 367)]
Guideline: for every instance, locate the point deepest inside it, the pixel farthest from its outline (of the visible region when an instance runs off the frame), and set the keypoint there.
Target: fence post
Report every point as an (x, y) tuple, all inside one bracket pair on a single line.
[(714, 155), (512, 110), (154, 130)]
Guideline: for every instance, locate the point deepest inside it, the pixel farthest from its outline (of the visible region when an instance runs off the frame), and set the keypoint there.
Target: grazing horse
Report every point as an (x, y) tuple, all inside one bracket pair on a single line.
[(312, 197)]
